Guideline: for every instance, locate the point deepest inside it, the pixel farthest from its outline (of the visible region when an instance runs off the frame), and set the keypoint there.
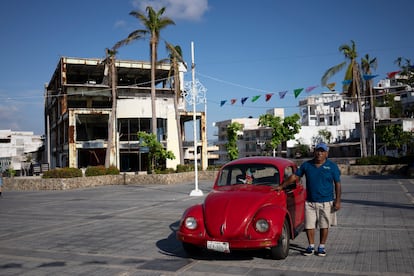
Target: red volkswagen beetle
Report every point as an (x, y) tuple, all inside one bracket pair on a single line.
[(245, 211)]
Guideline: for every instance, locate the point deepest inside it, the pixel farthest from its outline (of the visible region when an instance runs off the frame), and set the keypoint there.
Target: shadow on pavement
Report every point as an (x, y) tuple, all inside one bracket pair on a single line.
[(172, 247), (378, 203)]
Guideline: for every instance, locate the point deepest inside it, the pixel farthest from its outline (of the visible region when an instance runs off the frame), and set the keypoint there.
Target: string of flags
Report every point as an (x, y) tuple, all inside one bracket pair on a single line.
[(298, 91)]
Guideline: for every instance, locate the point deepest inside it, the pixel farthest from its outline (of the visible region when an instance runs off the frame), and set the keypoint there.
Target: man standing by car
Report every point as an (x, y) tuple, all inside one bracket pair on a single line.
[(323, 187)]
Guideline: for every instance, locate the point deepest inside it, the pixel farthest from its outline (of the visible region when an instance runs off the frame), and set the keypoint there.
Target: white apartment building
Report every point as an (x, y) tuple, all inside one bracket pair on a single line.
[(247, 123), (17, 149), (328, 112), (252, 137)]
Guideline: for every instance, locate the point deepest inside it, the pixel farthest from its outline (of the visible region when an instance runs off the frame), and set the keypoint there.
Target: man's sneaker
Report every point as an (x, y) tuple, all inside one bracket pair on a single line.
[(309, 251), (321, 252)]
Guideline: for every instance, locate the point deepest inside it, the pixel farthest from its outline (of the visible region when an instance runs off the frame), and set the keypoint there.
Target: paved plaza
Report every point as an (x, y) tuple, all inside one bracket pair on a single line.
[(130, 230)]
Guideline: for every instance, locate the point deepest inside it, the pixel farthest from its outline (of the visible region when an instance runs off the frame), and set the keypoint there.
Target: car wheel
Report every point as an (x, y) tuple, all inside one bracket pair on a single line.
[(281, 250), (191, 249)]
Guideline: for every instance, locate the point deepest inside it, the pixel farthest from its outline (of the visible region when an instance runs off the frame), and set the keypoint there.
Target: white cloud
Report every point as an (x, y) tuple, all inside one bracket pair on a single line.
[(176, 9), (120, 24)]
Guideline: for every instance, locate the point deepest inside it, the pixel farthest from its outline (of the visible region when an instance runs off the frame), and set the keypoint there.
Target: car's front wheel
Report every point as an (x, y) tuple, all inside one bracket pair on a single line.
[(281, 250)]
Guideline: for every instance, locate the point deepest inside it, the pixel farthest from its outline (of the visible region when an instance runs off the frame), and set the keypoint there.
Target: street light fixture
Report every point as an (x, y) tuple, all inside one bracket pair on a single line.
[(194, 93)]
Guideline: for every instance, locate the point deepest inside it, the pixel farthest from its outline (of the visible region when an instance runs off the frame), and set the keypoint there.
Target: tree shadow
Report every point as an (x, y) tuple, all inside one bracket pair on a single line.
[(379, 204), (376, 176)]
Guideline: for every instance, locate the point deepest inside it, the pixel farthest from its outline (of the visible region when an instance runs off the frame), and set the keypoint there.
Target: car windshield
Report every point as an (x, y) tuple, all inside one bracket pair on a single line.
[(256, 174)]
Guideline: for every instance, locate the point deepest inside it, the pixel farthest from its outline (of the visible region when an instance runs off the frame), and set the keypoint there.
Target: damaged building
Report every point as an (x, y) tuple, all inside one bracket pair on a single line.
[(78, 106)]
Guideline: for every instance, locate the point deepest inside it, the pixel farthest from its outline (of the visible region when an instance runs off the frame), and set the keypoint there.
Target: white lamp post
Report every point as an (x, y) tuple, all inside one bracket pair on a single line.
[(194, 93)]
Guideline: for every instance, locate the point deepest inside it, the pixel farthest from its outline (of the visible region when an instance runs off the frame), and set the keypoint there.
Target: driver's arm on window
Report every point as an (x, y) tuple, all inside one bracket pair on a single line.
[(292, 178)]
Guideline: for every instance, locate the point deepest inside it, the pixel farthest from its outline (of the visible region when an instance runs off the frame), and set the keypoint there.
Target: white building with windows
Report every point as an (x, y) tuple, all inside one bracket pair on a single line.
[(18, 148), (328, 112)]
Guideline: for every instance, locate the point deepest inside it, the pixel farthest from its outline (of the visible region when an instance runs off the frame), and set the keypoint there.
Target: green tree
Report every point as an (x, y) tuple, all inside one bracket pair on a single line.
[(156, 150), (394, 136), (353, 89), (282, 129), (325, 135), (154, 22), (232, 135), (301, 149), (176, 58), (396, 109)]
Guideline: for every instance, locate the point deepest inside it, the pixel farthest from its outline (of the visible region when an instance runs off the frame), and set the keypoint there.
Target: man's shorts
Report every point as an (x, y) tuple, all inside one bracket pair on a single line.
[(319, 215)]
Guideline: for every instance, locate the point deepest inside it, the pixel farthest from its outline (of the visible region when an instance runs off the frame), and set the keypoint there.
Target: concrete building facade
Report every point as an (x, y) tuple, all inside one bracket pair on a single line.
[(78, 105)]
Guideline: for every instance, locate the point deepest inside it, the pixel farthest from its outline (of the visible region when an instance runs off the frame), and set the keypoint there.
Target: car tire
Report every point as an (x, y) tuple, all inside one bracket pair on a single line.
[(191, 249), (281, 250)]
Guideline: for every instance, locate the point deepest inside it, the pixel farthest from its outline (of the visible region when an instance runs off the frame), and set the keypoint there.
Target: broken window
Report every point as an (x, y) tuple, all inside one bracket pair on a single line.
[(91, 127)]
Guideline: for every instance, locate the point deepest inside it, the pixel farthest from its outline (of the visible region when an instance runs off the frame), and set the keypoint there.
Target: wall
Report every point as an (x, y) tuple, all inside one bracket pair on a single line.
[(37, 183)]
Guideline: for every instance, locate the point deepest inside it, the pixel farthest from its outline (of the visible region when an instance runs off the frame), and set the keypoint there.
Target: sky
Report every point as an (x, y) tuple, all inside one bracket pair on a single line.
[(242, 49)]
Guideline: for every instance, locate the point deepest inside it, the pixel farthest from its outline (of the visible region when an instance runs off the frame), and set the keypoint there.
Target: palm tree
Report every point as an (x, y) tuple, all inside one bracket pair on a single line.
[(154, 22), (354, 88), (112, 82), (110, 71), (366, 65), (406, 69), (176, 57)]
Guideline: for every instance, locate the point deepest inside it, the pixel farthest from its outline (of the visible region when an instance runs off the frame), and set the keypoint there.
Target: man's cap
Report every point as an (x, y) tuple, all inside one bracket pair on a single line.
[(322, 146)]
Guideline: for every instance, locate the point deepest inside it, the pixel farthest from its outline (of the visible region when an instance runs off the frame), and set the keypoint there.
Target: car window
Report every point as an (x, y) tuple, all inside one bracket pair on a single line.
[(256, 174)]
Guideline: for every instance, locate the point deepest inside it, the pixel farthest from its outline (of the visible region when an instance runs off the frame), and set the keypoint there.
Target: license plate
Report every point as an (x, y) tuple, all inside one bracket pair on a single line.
[(218, 246)]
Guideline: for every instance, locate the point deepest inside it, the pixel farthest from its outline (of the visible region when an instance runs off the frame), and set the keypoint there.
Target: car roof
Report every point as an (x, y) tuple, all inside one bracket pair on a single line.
[(279, 161)]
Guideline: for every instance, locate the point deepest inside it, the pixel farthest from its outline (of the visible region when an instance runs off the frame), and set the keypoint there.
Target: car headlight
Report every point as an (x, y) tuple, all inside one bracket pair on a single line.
[(190, 223), (262, 225)]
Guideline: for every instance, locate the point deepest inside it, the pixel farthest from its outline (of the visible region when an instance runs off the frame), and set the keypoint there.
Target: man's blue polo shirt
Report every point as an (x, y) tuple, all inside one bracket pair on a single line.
[(320, 181)]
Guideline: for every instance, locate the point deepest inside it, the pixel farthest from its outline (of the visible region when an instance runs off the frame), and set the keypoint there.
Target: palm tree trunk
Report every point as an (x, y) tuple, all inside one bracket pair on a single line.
[(110, 149), (177, 113), (357, 86)]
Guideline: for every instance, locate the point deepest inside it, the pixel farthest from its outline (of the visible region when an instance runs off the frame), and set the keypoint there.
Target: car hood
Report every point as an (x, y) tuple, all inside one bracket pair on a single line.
[(229, 210)]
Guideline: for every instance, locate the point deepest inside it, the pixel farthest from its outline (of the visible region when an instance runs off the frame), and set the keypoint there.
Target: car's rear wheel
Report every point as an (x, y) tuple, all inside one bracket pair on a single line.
[(281, 250), (191, 249)]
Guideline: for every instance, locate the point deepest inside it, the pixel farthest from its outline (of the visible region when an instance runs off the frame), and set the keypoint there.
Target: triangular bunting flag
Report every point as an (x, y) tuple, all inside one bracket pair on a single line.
[(268, 96), (310, 88), (222, 102), (331, 86), (243, 100), (255, 98), (390, 75), (233, 101), (297, 92), (369, 77), (282, 94)]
